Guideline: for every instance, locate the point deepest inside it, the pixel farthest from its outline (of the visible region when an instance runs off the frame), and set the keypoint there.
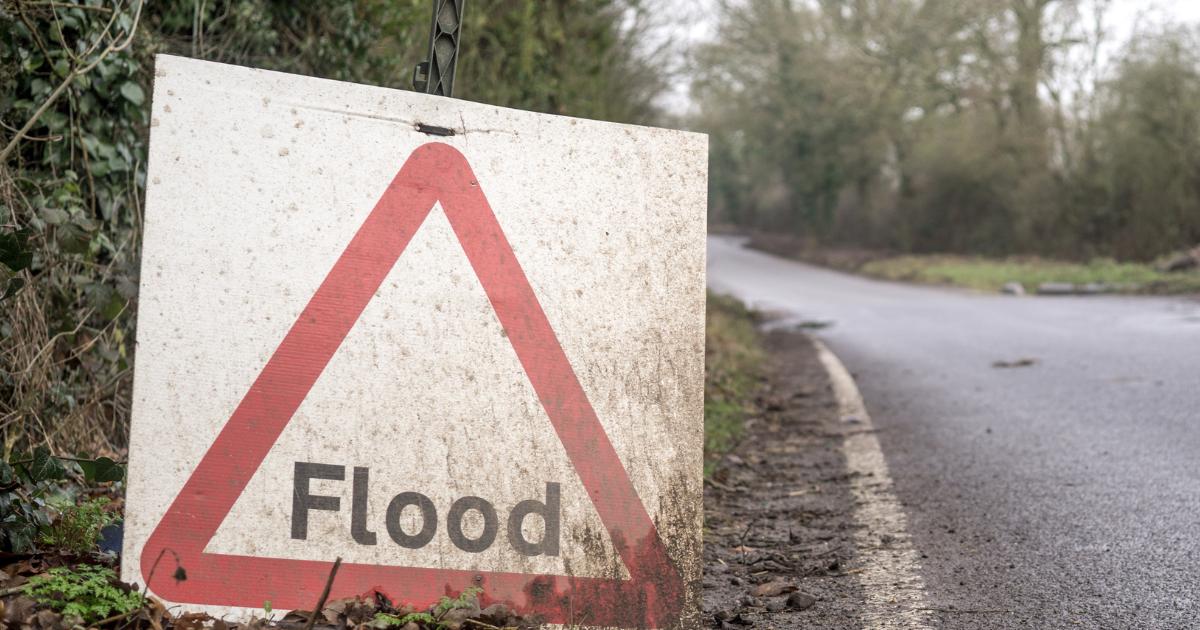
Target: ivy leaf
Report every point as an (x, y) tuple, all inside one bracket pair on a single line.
[(46, 467), (133, 92), (55, 216), (101, 469), (21, 538), (14, 252), (108, 470), (14, 285), (39, 87), (7, 474), (114, 307)]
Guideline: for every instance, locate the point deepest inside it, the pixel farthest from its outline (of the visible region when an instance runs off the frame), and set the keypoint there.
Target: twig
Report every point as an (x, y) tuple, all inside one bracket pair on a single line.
[(742, 539), (113, 47), (53, 340), (720, 486), (113, 618), (71, 5), (488, 626), (12, 591), (324, 594), (53, 138), (154, 567)]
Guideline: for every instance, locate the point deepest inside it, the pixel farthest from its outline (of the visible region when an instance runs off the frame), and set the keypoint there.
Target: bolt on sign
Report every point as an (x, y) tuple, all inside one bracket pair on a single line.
[(455, 345)]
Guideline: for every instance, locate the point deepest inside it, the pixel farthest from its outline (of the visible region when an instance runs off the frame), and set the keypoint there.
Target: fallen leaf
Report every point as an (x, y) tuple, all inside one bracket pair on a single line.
[(1019, 363), (771, 589), (192, 621), (800, 601)]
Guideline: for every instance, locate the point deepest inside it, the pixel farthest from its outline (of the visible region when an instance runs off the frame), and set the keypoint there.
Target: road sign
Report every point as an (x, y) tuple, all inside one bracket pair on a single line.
[(471, 357)]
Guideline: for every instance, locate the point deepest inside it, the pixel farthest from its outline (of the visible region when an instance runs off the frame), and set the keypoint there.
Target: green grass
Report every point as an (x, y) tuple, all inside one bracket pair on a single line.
[(733, 367), (990, 275)]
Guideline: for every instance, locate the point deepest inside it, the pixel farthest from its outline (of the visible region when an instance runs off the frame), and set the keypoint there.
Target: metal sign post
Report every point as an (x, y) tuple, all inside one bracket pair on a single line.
[(435, 75)]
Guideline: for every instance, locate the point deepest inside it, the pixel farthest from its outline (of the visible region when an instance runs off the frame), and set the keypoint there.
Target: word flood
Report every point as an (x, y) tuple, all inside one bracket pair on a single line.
[(303, 501)]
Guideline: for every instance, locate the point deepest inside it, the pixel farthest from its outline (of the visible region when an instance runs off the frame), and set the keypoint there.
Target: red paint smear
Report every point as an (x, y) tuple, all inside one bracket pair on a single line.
[(653, 597)]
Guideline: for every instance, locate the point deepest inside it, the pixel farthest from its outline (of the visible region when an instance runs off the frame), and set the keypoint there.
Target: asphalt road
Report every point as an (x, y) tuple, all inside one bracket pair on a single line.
[(1066, 493)]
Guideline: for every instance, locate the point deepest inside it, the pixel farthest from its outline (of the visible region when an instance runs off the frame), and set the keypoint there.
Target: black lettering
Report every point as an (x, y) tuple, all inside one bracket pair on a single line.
[(302, 501), (549, 511), (454, 524), (428, 517), (358, 508)]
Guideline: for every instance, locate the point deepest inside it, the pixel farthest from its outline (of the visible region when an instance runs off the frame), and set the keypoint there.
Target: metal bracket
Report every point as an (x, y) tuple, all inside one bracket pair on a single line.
[(435, 75)]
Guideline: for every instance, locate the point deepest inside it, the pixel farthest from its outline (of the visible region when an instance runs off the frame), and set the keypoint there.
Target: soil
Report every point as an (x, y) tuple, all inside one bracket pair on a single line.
[(778, 510)]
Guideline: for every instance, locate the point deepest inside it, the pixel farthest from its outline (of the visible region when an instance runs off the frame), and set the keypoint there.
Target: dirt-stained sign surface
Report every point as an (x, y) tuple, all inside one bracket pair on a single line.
[(466, 358)]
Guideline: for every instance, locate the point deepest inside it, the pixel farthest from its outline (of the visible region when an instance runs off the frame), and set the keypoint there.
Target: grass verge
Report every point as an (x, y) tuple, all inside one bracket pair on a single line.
[(982, 274), (991, 275), (733, 369)]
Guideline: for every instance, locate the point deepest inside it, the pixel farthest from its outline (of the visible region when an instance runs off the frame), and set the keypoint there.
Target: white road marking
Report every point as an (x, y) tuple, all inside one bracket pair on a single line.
[(889, 568)]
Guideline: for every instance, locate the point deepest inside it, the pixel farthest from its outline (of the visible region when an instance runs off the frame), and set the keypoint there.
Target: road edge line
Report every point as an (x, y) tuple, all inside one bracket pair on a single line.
[(889, 572)]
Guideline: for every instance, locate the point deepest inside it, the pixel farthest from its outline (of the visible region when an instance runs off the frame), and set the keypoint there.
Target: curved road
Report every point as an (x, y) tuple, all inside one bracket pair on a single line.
[(1065, 494)]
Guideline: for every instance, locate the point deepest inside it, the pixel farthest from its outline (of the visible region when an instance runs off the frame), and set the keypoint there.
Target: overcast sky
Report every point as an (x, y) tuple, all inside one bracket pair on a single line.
[(691, 22)]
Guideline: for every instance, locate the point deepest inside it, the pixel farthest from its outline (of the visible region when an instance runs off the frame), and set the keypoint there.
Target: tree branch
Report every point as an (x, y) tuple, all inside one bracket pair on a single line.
[(113, 47)]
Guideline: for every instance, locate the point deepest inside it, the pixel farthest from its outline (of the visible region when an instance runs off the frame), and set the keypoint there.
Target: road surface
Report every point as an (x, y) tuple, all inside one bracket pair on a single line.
[(1067, 492)]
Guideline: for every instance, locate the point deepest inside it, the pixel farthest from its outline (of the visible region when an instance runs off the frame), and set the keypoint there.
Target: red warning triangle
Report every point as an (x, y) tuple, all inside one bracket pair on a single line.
[(435, 172)]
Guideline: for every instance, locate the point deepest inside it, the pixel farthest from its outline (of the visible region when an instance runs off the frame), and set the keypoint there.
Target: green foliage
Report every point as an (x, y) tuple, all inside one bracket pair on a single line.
[(32, 494), (15, 256), (87, 591), (574, 57), (733, 359), (400, 620), (1139, 193), (70, 192), (469, 598), (25, 487), (465, 599), (78, 526), (975, 127), (991, 275)]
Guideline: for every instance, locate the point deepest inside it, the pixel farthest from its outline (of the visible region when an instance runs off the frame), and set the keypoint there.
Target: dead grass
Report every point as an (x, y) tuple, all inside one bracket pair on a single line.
[(733, 371), (57, 387)]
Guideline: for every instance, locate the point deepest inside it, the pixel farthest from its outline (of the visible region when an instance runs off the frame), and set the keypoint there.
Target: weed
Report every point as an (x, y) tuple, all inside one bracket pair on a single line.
[(418, 617), (433, 619), (32, 486), (733, 358), (89, 592), (466, 599), (77, 528)]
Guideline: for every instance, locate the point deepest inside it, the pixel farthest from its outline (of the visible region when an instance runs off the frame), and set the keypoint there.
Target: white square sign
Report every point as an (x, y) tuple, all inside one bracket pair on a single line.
[(453, 344)]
